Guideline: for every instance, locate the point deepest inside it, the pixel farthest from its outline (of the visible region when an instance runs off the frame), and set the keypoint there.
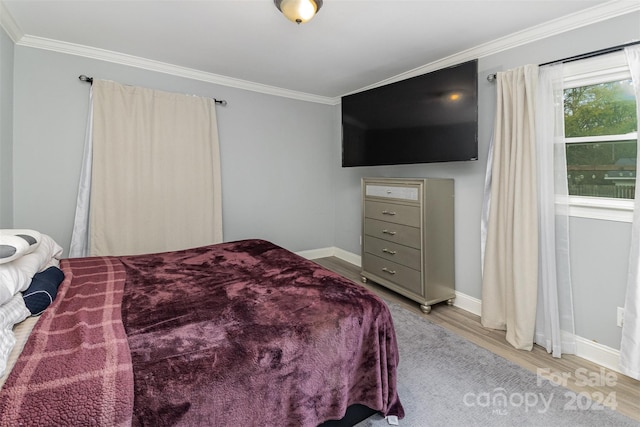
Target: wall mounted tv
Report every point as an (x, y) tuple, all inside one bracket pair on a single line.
[(428, 118)]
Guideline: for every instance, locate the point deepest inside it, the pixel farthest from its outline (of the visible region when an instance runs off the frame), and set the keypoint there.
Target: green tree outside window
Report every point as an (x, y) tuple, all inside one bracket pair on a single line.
[(605, 166)]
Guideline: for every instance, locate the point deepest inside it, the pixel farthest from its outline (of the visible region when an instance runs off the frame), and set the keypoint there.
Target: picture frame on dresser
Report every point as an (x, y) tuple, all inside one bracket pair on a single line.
[(408, 237)]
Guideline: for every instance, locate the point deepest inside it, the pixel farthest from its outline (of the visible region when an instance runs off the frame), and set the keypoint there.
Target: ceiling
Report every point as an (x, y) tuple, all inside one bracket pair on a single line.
[(349, 45)]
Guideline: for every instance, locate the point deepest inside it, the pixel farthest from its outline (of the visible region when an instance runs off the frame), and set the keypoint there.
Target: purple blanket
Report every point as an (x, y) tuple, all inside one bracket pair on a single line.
[(75, 370), (247, 333)]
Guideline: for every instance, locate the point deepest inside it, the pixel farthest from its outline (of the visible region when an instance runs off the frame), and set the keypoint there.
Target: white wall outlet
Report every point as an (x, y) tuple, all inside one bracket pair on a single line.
[(620, 316)]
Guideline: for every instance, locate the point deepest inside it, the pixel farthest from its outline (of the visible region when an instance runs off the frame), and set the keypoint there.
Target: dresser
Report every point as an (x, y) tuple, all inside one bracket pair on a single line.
[(408, 237)]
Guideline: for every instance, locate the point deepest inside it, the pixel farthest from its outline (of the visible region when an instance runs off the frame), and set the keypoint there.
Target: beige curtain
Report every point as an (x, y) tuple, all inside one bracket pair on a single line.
[(155, 182), (510, 271)]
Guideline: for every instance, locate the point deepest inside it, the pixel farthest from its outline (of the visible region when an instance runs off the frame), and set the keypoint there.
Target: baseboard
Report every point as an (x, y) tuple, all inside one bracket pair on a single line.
[(598, 353), (585, 348), (348, 256), (318, 253), (468, 303)]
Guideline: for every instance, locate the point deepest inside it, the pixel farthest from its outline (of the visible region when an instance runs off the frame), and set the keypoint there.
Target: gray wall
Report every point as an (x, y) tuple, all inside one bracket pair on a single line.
[(276, 151), (599, 271), (281, 171), (6, 130)]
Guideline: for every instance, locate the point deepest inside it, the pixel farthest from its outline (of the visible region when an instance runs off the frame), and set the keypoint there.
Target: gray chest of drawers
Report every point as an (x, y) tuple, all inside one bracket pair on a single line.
[(408, 237)]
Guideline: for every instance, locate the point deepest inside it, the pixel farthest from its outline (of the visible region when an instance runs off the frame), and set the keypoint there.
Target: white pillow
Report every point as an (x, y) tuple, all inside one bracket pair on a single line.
[(15, 243), (14, 311), (12, 247), (15, 276)]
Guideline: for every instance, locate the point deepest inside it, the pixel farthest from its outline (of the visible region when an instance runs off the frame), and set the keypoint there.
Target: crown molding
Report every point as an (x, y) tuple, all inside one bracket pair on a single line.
[(574, 21), (561, 25), (9, 24), (166, 68)]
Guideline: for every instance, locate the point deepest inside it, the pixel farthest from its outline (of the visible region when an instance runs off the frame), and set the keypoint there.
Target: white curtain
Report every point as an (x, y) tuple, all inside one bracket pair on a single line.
[(155, 171), (486, 205), (554, 314), (630, 344), (80, 235), (510, 273)]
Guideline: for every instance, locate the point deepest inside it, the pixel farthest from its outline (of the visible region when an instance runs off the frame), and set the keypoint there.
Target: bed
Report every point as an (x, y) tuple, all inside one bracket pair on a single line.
[(240, 333)]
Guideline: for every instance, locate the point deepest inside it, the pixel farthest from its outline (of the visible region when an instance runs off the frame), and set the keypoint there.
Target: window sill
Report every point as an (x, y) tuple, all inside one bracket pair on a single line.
[(603, 208)]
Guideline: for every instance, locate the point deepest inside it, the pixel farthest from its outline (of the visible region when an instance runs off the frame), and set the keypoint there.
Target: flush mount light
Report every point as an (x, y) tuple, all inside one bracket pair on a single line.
[(298, 11)]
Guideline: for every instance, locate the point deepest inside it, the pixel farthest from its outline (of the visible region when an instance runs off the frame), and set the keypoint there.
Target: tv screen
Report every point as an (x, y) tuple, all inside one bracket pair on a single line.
[(428, 118)]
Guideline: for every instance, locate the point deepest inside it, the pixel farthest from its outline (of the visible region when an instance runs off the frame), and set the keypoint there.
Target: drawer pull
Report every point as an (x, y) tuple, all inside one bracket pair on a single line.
[(392, 233), (386, 270), (387, 251), (386, 212)]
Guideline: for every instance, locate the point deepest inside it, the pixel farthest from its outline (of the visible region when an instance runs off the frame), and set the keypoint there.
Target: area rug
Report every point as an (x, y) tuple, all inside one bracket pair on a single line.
[(446, 380)]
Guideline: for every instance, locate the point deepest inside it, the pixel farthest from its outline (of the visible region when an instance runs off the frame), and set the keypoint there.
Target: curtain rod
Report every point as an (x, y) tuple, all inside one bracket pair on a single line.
[(89, 80), (492, 77)]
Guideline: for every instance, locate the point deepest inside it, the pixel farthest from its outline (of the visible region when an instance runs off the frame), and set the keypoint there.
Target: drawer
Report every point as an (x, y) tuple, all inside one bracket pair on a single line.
[(404, 255), (392, 212), (401, 275), (402, 234), (410, 193)]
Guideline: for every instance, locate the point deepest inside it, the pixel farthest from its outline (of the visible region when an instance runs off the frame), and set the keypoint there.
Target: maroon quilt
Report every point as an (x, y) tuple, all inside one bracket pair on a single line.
[(242, 333), (75, 368)]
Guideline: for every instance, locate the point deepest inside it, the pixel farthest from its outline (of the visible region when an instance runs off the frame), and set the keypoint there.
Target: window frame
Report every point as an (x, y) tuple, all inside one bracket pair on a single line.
[(591, 71)]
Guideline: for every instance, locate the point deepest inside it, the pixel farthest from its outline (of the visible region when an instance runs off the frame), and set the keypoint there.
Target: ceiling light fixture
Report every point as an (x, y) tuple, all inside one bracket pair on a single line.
[(298, 11)]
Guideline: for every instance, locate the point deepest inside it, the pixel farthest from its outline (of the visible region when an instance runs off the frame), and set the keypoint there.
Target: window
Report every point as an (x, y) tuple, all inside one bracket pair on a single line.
[(601, 133)]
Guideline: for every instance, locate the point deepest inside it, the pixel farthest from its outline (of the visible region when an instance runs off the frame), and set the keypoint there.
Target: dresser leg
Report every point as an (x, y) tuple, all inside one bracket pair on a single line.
[(364, 279), (426, 309), (450, 301)]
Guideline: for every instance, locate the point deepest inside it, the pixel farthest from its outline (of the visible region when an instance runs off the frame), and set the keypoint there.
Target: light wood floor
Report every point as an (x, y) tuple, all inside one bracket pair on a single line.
[(579, 375)]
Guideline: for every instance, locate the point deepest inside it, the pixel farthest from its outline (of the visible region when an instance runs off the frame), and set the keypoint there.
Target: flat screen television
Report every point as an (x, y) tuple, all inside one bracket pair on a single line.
[(428, 118)]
